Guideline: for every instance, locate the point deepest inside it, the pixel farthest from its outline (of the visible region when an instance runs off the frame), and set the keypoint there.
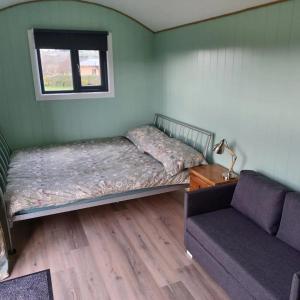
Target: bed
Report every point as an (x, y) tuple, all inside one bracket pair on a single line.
[(49, 180)]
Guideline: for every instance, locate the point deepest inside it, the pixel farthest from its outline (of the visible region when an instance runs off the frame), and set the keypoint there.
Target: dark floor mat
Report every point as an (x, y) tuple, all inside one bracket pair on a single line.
[(35, 286)]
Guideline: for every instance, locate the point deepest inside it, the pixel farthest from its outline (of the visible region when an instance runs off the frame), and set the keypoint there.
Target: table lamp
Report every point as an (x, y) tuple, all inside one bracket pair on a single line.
[(219, 149)]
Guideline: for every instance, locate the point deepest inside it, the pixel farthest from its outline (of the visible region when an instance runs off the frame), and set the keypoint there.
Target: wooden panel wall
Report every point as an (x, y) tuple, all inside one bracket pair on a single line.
[(239, 77), (26, 122)]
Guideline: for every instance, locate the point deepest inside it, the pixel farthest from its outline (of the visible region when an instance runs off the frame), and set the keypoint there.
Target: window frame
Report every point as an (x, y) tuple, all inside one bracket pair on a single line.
[(80, 92)]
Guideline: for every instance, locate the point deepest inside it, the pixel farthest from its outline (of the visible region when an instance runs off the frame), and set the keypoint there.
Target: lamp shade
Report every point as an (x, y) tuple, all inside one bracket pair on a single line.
[(220, 147)]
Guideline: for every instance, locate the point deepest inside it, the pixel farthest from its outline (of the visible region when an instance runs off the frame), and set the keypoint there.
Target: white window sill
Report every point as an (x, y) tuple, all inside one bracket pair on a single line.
[(74, 96)]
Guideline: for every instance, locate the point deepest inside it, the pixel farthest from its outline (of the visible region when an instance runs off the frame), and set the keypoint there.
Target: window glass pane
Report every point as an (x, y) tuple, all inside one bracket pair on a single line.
[(57, 70), (90, 67)]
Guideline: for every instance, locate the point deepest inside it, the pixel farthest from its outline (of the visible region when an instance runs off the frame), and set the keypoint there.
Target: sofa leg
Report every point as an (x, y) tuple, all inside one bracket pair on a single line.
[(189, 254)]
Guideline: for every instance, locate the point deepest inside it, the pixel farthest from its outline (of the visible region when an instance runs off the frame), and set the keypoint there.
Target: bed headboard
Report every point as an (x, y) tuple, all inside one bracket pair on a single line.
[(196, 137)]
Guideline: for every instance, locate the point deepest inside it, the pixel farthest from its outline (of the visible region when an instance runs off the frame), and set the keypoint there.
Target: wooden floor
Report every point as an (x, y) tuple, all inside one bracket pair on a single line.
[(130, 250)]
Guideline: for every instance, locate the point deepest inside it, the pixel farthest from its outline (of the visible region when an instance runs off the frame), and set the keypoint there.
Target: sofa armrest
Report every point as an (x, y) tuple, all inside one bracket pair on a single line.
[(208, 199), (295, 288)]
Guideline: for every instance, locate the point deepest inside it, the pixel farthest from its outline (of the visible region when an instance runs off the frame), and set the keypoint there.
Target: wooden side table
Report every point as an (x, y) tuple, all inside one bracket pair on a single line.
[(208, 175)]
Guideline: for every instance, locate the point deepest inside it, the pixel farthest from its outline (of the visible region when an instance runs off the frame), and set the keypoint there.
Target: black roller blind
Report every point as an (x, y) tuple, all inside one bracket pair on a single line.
[(70, 39)]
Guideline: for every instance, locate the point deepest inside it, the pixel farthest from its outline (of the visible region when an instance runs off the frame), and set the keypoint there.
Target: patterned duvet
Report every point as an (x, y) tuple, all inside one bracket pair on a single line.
[(58, 175)]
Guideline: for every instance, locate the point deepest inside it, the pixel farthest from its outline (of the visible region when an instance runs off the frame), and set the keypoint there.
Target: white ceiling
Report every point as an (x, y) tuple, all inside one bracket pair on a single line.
[(163, 14)]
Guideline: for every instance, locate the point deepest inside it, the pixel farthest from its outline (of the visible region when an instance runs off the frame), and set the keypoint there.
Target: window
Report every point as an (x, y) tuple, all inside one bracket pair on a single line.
[(71, 64), (56, 70), (90, 70)]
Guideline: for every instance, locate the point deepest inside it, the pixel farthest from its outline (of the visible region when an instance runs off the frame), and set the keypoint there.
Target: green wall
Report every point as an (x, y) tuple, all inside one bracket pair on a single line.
[(239, 77), (26, 122)]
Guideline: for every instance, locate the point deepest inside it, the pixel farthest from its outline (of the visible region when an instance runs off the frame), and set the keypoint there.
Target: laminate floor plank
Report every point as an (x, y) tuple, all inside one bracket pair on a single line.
[(170, 213), (112, 258), (66, 285), (139, 275), (196, 279), (177, 291), (165, 242), (147, 246), (124, 251), (87, 275)]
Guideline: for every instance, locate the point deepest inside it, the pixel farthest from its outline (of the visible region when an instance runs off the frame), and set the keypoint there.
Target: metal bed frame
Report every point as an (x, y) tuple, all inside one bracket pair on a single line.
[(196, 137)]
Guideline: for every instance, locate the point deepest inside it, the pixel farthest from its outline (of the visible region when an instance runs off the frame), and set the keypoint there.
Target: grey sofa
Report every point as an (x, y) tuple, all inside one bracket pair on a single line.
[(247, 236)]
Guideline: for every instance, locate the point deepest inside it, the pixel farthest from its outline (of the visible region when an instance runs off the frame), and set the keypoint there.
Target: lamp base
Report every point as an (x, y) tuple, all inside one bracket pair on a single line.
[(229, 175)]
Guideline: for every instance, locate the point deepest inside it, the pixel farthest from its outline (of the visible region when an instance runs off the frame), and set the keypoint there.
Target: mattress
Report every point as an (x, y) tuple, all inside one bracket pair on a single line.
[(59, 175)]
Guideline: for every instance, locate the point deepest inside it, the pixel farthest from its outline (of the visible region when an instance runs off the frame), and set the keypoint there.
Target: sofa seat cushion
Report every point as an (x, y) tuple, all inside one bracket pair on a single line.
[(260, 199), (261, 263), (289, 230)]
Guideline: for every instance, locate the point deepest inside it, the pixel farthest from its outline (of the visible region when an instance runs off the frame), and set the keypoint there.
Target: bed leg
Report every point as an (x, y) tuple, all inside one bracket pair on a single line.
[(6, 227), (10, 247)]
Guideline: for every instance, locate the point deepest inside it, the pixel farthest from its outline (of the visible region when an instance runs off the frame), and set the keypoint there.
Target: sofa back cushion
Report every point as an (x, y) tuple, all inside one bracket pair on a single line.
[(289, 229), (260, 199)]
